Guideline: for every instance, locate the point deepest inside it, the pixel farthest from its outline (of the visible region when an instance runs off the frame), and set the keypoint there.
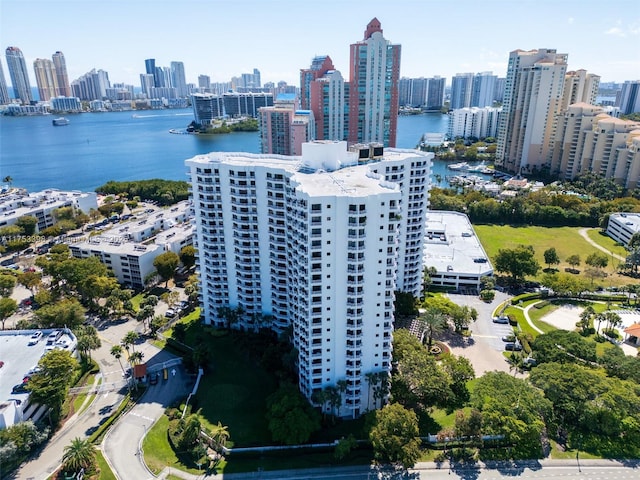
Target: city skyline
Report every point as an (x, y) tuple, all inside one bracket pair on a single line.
[(437, 38)]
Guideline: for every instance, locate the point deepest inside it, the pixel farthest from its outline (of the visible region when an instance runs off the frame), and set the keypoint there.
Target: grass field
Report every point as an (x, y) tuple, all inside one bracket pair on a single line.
[(105, 470), (566, 240)]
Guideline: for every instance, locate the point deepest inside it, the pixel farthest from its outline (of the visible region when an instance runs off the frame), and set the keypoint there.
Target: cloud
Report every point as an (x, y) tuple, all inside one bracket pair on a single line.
[(570, 20), (616, 31)]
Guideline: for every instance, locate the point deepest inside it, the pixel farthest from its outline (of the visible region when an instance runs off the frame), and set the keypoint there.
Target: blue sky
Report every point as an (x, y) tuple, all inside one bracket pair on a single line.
[(224, 39)]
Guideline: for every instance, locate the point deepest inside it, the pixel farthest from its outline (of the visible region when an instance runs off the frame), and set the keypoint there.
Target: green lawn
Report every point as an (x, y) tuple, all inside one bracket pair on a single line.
[(233, 391), (606, 241), (105, 470), (536, 315), (158, 453), (566, 240)]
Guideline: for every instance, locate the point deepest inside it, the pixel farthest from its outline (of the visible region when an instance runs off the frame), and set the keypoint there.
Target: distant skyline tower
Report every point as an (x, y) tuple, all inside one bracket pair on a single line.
[(435, 93), (4, 93), (532, 101), (320, 65), (328, 102), (46, 78), (579, 87), (461, 88), (150, 69), (178, 78), (374, 74), (483, 89), (64, 87), (19, 75), (629, 97)]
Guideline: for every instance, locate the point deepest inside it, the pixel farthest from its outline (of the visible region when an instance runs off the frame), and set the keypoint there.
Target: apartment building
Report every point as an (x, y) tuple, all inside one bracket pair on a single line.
[(319, 242)]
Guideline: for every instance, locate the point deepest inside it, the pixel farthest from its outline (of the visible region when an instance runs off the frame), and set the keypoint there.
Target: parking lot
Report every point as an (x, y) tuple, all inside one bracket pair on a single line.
[(485, 346)]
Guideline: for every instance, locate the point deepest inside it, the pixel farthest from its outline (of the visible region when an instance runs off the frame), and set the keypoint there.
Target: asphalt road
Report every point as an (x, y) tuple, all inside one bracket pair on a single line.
[(122, 445), (107, 400)]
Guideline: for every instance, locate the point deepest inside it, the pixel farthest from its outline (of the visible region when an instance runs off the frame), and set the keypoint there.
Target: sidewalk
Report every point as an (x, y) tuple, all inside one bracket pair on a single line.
[(421, 466)]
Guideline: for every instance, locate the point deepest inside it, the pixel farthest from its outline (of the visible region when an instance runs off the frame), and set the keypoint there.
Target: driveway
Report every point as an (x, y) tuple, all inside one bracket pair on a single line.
[(485, 346)]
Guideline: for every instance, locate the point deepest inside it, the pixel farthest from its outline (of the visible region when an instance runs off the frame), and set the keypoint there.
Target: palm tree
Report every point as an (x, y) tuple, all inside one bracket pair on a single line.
[(220, 435), (79, 454), (116, 351), (431, 321), (342, 388), (136, 358), (585, 318), (129, 340), (372, 379)]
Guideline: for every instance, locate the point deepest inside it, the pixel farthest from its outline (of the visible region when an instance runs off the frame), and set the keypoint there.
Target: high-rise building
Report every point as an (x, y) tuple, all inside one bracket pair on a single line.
[(318, 242), (91, 86), (412, 92), (204, 82), (435, 93), (498, 93), (4, 93), (19, 75), (320, 65), (461, 89), (206, 108), (146, 83), (474, 122), (46, 79), (275, 126), (483, 88), (245, 104), (629, 98), (532, 100), (150, 68), (303, 130), (579, 87), (179, 79), (589, 140), (328, 101), (60, 64), (373, 97)]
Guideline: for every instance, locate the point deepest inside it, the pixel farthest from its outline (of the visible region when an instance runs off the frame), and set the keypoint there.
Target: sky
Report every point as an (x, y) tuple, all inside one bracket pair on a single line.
[(279, 37)]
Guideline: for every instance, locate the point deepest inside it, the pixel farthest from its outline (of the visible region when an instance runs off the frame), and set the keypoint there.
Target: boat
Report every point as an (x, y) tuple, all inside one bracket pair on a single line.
[(60, 122), (458, 166)]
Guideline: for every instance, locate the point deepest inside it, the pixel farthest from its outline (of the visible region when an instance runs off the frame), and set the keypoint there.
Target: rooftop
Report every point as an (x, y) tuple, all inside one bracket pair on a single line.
[(451, 244)]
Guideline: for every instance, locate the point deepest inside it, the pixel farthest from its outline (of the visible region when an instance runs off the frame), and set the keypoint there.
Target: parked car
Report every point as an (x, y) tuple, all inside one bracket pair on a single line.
[(514, 347), (54, 337), (509, 338), (35, 338), (153, 378), (20, 388), (501, 319), (170, 313)]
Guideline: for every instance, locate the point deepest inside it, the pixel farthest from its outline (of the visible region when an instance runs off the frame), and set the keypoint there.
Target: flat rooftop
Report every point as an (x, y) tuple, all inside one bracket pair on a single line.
[(19, 357), (631, 220), (451, 245)]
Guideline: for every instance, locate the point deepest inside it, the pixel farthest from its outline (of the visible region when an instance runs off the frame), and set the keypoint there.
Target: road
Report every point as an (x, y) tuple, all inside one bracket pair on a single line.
[(48, 460), (122, 445), (544, 469)]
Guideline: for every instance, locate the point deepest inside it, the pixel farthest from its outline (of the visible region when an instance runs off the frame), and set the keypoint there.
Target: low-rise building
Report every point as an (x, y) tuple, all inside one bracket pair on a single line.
[(18, 203), (453, 249), (129, 249), (623, 226)]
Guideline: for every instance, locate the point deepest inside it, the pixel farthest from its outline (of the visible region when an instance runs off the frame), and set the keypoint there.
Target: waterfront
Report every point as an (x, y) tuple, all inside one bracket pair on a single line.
[(133, 145)]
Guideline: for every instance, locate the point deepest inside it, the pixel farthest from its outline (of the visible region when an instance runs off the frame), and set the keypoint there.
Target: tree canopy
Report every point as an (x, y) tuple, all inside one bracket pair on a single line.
[(518, 262), (395, 436), (291, 418)]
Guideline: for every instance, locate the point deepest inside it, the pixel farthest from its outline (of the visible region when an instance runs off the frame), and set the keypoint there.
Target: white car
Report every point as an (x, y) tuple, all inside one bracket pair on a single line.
[(35, 338), (170, 313)]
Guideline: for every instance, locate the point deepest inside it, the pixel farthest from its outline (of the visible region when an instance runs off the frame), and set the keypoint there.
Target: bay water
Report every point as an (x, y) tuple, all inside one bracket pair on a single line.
[(97, 147)]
